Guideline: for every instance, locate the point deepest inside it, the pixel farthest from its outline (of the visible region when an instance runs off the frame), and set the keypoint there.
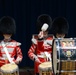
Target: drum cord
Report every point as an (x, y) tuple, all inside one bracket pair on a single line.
[(29, 72)]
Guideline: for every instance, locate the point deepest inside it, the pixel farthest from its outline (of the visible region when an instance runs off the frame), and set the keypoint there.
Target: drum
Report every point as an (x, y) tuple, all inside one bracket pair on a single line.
[(64, 56), (9, 69), (45, 68)]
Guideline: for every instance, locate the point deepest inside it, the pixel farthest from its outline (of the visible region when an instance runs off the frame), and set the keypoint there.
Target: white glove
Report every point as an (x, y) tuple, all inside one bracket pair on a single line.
[(36, 59), (16, 62), (34, 40), (12, 62), (44, 27)]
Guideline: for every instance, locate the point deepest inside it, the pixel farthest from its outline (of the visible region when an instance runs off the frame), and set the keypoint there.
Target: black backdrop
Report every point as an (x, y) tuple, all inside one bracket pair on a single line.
[(25, 12)]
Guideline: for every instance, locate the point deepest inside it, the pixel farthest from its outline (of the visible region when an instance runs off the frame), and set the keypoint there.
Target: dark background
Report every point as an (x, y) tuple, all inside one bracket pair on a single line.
[(25, 13)]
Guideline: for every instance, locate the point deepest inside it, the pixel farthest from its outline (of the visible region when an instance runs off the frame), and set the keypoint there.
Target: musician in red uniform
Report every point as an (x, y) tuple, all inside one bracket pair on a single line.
[(60, 27), (10, 51), (40, 50)]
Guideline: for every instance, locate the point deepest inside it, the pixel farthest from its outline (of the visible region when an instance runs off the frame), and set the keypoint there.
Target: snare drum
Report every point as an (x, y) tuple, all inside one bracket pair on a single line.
[(45, 68), (64, 56), (9, 69)]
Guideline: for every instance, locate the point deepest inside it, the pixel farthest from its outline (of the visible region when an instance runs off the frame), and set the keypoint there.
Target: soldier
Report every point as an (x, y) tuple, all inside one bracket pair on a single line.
[(10, 51), (41, 47)]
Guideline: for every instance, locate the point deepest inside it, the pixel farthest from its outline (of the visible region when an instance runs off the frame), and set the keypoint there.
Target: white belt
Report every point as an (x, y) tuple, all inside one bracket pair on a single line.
[(45, 55), (41, 56)]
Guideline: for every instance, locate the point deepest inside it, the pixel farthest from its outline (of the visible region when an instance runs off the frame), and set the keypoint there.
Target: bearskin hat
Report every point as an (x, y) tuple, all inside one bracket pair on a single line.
[(44, 19), (60, 25), (7, 25)]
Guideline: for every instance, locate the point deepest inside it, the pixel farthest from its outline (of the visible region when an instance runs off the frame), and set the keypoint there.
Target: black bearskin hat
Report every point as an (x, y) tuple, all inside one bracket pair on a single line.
[(7, 25), (44, 19), (60, 25)]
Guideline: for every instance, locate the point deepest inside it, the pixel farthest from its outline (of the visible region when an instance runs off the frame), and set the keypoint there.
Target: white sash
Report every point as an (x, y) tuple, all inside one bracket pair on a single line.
[(6, 51)]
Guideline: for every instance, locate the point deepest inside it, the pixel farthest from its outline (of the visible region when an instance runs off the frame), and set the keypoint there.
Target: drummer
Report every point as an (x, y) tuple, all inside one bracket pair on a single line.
[(40, 50), (10, 51), (60, 27)]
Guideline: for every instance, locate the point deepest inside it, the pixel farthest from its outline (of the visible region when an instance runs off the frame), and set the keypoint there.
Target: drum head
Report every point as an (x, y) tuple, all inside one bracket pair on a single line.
[(9, 68), (45, 66), (54, 57)]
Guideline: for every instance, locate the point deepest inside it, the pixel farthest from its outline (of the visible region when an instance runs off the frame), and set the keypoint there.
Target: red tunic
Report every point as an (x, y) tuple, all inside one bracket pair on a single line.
[(13, 49), (39, 50)]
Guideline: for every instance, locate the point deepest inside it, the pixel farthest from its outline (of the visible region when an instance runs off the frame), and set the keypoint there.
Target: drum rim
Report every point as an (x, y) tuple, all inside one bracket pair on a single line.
[(53, 57)]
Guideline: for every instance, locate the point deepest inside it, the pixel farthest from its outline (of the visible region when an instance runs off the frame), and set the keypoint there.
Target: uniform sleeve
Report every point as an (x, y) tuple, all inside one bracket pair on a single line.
[(31, 52), (19, 54)]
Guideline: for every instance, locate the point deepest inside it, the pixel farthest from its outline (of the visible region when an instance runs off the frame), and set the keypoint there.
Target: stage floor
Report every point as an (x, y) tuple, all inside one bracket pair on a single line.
[(26, 71)]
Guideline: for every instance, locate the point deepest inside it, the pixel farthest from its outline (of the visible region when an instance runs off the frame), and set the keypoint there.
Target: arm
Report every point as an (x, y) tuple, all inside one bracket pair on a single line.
[(32, 55), (19, 55), (31, 52)]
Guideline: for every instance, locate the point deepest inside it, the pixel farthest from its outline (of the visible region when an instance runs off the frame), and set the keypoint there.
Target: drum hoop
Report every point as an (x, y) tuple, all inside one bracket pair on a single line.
[(53, 67), (52, 57)]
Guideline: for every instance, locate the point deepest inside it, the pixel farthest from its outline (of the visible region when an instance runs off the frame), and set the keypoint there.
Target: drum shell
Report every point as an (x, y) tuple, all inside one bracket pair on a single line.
[(44, 69)]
